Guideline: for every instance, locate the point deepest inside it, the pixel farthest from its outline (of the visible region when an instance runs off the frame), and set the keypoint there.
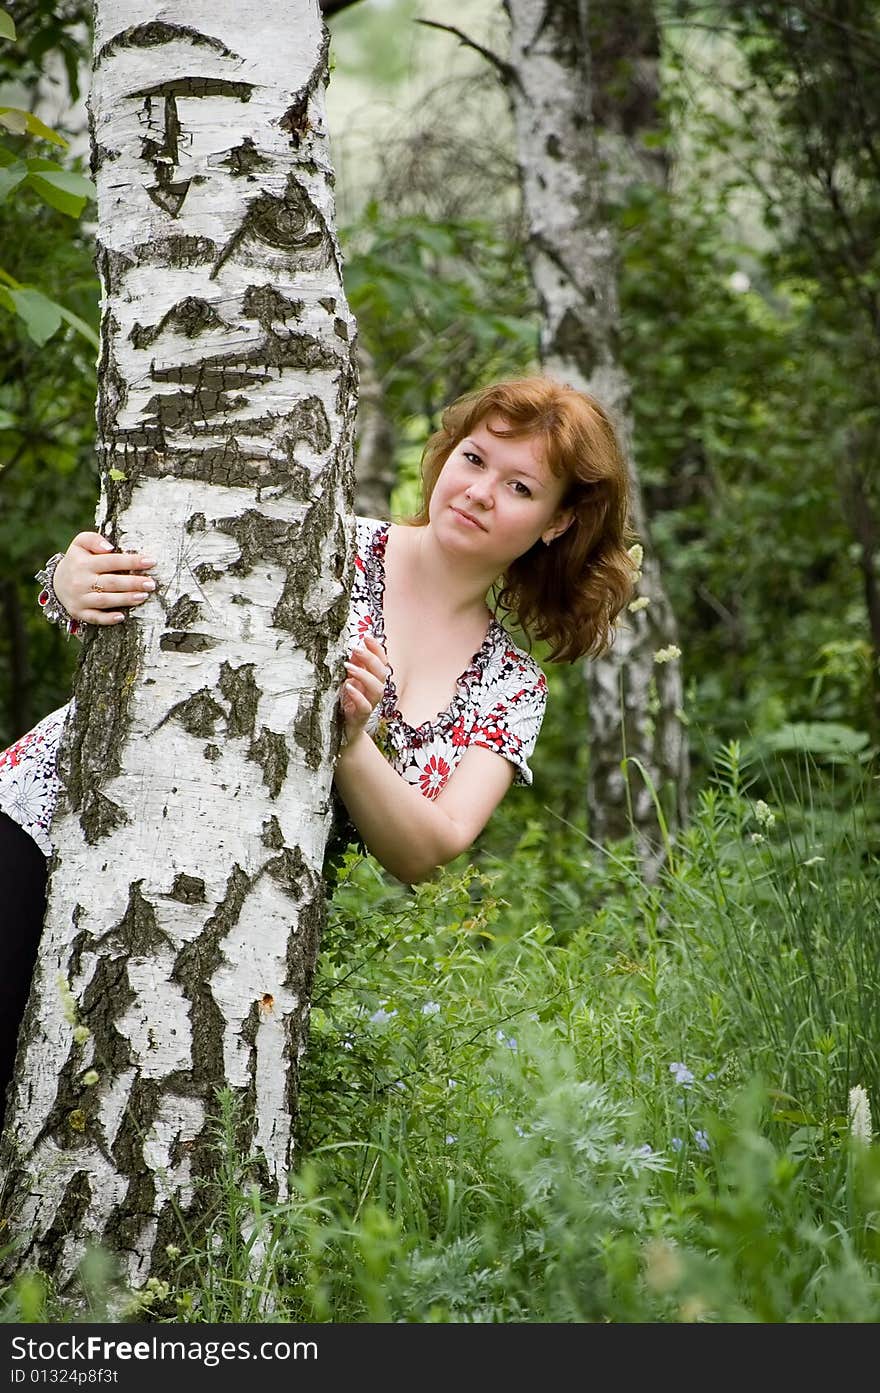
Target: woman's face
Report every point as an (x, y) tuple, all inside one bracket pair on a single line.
[(495, 497)]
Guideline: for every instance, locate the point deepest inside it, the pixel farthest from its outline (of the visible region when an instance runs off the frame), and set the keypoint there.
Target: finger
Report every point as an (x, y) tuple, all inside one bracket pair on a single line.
[(370, 662), (92, 541), (353, 701), (376, 647), (122, 561), (372, 686), (109, 583), (101, 617)]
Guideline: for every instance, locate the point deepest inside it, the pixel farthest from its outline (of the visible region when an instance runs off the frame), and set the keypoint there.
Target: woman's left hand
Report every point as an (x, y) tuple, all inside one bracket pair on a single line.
[(367, 670)]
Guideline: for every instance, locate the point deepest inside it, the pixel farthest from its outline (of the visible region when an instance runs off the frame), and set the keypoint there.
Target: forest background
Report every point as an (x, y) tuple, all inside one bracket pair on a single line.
[(539, 1088)]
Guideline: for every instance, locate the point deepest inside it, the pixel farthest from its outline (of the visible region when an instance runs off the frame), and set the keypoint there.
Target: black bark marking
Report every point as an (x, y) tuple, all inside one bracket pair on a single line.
[(68, 1216), (307, 730), (107, 996), (246, 158), (307, 421), (259, 539), (211, 752), (190, 316), (164, 157), (197, 87), (272, 835), (157, 32), (124, 1224), (137, 934), (183, 641), (195, 966), (198, 714), (304, 561), (241, 691), (90, 755), (267, 306), (269, 750), (180, 251), (291, 223), (185, 611), (288, 870), (295, 119), (188, 889), (302, 952), (103, 817)]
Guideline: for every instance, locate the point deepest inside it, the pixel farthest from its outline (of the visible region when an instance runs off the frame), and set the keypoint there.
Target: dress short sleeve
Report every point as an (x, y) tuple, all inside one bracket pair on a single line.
[(511, 718)]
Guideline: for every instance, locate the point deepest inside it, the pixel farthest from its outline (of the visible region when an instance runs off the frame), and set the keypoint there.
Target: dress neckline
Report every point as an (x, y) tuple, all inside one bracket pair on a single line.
[(389, 707)]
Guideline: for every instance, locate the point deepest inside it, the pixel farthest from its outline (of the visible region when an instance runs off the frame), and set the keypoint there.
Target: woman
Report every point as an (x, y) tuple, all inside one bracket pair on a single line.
[(525, 491)]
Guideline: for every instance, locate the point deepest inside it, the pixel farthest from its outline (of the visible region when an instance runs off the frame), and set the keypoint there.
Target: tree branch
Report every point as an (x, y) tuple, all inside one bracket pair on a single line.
[(507, 71), (333, 7)]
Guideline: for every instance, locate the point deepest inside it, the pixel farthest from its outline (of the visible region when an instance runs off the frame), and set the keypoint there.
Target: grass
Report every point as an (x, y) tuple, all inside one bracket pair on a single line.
[(539, 1090)]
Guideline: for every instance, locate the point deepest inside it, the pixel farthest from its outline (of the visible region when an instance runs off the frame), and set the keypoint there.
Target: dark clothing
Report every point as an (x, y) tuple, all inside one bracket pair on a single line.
[(23, 878)]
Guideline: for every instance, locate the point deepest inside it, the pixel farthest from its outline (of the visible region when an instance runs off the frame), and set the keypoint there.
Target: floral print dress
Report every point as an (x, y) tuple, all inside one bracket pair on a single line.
[(498, 704)]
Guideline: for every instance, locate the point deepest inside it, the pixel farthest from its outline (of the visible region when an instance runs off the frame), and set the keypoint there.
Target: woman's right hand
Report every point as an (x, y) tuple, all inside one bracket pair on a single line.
[(92, 579)]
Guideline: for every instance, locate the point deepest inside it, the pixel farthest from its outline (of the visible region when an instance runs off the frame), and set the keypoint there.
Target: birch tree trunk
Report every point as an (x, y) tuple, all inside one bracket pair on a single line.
[(186, 892), (374, 444), (635, 701)]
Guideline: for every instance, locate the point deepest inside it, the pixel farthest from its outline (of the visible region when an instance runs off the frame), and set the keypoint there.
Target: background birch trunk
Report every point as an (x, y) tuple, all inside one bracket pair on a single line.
[(634, 701), (186, 894)]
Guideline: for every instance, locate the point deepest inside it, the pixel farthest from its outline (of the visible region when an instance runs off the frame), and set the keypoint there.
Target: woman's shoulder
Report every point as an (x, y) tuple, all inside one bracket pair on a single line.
[(507, 662)]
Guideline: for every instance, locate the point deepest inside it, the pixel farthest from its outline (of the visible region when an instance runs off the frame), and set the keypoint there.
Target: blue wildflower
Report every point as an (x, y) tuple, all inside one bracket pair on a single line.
[(682, 1074)]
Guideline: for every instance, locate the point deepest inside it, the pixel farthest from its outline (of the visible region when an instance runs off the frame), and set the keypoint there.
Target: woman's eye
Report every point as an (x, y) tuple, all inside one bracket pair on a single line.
[(472, 458), (522, 489)]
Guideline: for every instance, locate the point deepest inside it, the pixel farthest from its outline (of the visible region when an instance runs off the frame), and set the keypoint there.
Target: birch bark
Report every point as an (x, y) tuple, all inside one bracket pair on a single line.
[(635, 702), (186, 891)]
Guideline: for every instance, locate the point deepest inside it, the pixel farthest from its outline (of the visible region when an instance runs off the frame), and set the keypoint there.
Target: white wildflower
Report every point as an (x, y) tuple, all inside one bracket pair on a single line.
[(90, 1077), (763, 816), (813, 861), (81, 1033), (636, 554), (739, 282), (667, 655), (860, 1115), (381, 1016), (757, 838), (430, 1008), (640, 602)]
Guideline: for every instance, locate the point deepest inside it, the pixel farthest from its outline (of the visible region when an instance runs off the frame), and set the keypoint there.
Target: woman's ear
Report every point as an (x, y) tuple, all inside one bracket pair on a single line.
[(561, 523)]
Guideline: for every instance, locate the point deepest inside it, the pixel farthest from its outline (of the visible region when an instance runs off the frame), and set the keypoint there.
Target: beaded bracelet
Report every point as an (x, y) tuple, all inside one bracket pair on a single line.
[(49, 603)]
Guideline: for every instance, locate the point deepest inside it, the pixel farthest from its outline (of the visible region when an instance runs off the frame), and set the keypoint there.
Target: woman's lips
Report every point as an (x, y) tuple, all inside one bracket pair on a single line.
[(466, 517)]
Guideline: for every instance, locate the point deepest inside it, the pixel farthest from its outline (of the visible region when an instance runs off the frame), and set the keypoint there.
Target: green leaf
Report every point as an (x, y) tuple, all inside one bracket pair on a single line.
[(817, 737), (27, 121), (10, 177), (80, 326), (68, 193), (117, 474), (69, 182), (7, 25), (40, 314), (13, 119)]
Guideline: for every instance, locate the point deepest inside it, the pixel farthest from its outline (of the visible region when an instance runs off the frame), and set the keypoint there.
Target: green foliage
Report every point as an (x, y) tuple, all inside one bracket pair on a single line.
[(441, 306), (65, 190)]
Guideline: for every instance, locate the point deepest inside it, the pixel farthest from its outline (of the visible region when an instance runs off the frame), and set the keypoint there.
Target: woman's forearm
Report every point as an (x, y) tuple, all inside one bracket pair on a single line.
[(408, 833)]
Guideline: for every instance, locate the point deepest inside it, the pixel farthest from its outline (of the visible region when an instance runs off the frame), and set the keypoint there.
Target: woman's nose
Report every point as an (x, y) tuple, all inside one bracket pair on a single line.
[(480, 490)]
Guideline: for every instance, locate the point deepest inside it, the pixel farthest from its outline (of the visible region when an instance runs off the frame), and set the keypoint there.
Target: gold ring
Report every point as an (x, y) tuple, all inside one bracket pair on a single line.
[(98, 588)]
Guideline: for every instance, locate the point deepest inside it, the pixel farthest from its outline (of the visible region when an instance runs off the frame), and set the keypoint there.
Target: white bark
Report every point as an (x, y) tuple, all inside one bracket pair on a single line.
[(572, 257), (187, 893)]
